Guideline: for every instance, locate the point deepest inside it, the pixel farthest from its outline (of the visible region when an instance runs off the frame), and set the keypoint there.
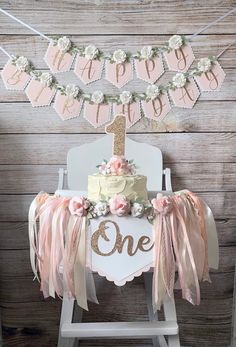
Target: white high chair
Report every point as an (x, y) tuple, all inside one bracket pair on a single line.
[(81, 161)]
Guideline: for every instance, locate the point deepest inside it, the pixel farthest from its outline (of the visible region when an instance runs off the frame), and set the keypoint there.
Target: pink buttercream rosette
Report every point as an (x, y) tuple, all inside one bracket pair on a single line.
[(117, 165), (119, 205)]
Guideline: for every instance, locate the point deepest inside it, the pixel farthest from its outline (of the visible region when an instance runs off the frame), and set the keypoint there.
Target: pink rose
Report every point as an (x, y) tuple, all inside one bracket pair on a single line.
[(162, 204), (78, 206), (118, 165), (119, 205)]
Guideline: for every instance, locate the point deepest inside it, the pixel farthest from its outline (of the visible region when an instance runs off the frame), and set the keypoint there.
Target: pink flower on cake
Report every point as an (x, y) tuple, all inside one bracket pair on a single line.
[(118, 165), (79, 206), (119, 205), (162, 204)]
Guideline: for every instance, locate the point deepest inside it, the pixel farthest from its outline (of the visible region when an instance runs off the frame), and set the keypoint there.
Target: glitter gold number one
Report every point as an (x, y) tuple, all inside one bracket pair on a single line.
[(117, 127)]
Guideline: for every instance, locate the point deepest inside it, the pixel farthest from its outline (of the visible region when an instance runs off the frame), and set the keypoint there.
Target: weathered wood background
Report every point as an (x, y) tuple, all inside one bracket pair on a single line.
[(34, 142)]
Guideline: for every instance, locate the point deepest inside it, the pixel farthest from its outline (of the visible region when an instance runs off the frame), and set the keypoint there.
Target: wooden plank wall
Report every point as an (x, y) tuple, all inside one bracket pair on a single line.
[(34, 142)]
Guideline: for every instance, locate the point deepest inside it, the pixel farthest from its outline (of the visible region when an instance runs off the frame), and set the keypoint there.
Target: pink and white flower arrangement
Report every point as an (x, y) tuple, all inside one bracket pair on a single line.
[(119, 205), (79, 206), (162, 204), (117, 166)]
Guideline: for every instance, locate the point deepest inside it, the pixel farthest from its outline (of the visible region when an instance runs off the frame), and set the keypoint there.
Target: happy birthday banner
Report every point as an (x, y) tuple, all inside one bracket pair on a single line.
[(184, 89)]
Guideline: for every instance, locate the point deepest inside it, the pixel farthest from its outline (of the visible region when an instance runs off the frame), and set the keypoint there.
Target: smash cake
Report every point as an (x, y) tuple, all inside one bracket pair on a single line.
[(117, 176)]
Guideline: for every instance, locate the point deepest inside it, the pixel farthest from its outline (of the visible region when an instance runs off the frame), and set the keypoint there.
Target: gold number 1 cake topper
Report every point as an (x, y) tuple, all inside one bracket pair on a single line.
[(117, 127)]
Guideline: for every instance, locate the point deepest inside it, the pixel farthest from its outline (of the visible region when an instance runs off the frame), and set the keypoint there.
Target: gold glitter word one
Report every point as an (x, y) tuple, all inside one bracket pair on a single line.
[(117, 127), (144, 243)]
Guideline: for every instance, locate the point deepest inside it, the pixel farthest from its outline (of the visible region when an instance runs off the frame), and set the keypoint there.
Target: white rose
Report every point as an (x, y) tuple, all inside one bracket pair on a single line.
[(119, 56), (175, 42), (179, 80), (146, 52), (125, 97), (97, 97), (46, 79), (152, 91), (137, 210), (204, 65), (72, 90), (101, 209), (64, 44), (22, 63), (90, 52)]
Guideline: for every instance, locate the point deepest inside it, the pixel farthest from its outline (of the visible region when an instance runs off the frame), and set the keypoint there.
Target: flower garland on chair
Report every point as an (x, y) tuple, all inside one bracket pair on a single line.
[(179, 232)]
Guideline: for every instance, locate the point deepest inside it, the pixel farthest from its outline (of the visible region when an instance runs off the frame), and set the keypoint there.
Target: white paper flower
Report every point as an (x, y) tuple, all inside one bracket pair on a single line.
[(146, 52), (125, 97), (119, 56), (137, 210), (204, 64), (97, 97), (101, 209), (64, 44), (46, 79), (90, 52), (175, 42), (22, 63), (179, 80), (72, 90), (152, 91)]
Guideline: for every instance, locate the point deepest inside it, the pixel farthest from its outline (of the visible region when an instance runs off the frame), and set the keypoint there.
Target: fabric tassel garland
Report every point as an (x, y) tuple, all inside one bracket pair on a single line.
[(60, 254), (180, 243), (58, 248)]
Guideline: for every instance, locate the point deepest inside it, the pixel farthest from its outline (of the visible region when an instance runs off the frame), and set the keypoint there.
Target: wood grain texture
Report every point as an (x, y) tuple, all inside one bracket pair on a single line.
[(176, 147), (30, 179), (198, 145)]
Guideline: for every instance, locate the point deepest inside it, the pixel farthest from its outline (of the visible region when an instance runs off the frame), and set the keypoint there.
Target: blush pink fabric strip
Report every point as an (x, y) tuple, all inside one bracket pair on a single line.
[(180, 243)]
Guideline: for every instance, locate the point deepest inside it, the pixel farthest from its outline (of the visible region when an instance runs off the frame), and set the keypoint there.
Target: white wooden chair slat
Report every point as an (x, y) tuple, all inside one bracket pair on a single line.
[(119, 329), (81, 162)]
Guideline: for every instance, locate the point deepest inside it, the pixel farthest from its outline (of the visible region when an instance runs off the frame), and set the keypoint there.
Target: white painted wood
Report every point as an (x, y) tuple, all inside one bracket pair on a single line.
[(61, 173), (157, 341), (82, 161), (233, 334), (170, 315), (119, 329), (66, 318), (167, 174)]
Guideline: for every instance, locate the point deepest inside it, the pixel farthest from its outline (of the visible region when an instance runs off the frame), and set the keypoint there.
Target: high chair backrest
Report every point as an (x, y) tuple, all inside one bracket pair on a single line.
[(82, 161)]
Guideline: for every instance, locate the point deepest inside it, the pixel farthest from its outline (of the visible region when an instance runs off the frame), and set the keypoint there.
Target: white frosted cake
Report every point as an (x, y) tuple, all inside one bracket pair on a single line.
[(117, 177)]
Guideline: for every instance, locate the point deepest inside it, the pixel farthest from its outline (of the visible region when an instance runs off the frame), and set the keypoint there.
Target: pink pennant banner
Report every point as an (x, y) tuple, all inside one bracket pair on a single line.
[(67, 107), (158, 108), (97, 114), (185, 96), (88, 70), (180, 59), (119, 74), (39, 94), (131, 111), (211, 80), (57, 60), (13, 78), (149, 70)]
